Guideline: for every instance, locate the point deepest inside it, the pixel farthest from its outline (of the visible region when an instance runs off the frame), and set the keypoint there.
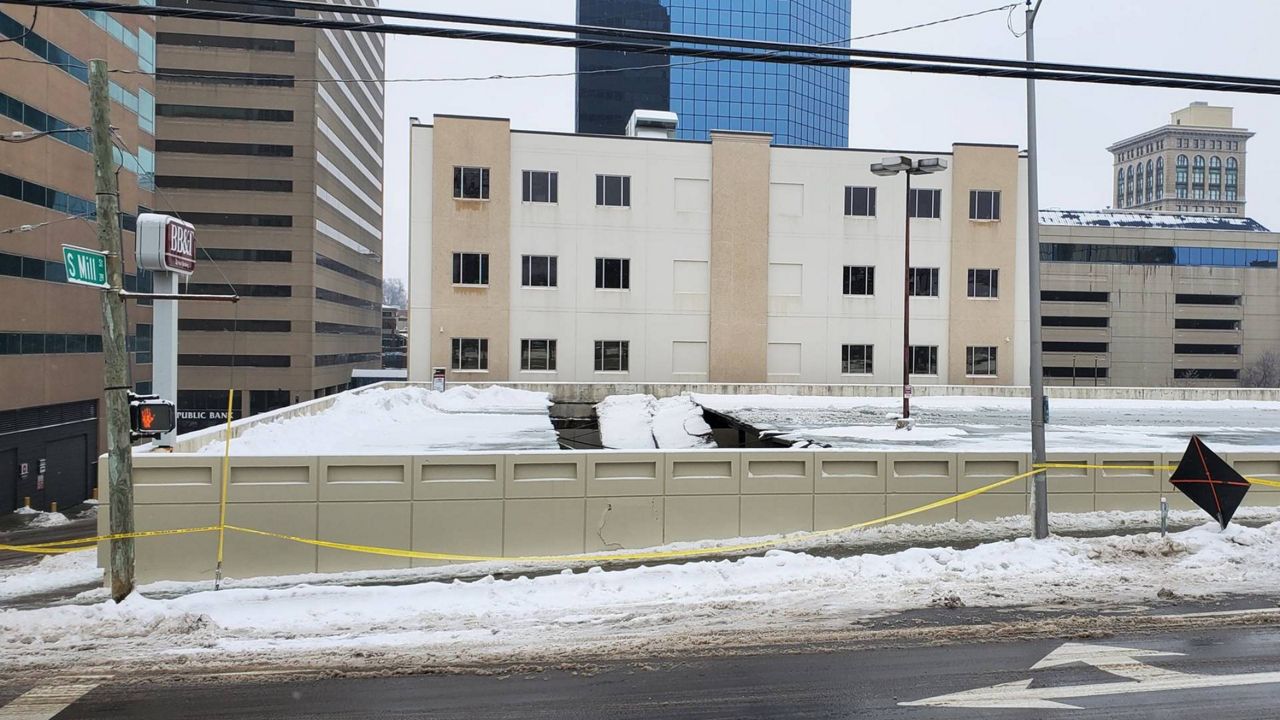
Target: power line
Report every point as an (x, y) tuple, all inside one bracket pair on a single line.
[(783, 53), (161, 75), (35, 15), (582, 35)]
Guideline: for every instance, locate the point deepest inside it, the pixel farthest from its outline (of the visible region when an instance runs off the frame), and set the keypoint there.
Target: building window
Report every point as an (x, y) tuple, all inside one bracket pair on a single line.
[(470, 268), (859, 280), (1215, 175), (1151, 181), (984, 204), (855, 359), (613, 274), (470, 353), (613, 355), (538, 270), (540, 186), (613, 190), (924, 359), (984, 283), (1197, 172), (470, 183), (980, 361), (924, 282), (538, 355), (860, 201), (1160, 179), (1120, 188), (924, 203), (1128, 186)]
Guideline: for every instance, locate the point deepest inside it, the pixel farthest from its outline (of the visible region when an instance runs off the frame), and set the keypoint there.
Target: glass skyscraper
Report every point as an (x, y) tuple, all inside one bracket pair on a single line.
[(799, 105)]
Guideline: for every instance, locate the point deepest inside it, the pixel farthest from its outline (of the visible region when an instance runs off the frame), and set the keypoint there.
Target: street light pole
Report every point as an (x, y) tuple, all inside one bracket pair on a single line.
[(888, 167), (1040, 490), (906, 307)]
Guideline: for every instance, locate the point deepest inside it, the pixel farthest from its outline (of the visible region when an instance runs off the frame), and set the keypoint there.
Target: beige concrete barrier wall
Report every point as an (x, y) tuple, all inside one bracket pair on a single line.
[(563, 503)]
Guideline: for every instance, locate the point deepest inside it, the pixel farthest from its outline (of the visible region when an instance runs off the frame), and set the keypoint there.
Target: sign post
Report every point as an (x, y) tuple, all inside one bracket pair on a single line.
[(167, 246), (85, 267)]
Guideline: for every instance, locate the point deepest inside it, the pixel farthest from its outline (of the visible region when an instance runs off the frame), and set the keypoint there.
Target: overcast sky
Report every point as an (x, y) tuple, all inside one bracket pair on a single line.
[(903, 110)]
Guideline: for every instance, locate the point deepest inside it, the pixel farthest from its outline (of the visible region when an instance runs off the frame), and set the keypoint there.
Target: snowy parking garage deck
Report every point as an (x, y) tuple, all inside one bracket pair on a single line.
[(1001, 424), (405, 420)]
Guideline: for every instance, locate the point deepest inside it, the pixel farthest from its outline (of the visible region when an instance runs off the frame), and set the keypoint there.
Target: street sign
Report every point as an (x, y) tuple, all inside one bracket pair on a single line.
[(85, 267), (1124, 662), (165, 244)]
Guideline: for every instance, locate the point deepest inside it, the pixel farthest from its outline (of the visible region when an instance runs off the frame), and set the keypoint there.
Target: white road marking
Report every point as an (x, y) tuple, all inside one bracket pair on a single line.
[(1116, 660), (46, 701)]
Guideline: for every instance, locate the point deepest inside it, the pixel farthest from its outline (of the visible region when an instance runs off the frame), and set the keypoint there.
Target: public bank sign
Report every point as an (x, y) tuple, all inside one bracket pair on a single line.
[(166, 244)]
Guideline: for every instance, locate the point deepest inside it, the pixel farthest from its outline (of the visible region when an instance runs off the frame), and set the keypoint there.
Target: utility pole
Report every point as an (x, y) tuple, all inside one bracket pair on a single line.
[(1039, 483), (115, 373)]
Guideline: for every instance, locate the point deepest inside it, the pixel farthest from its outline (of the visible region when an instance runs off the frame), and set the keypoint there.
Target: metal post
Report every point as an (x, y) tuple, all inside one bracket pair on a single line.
[(115, 372), (906, 305), (1164, 516), (1040, 491), (164, 338)]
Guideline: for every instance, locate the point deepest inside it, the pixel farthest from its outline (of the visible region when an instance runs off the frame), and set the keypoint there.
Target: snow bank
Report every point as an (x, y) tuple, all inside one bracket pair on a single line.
[(636, 610), (51, 573), (42, 519), (638, 422), (407, 420)]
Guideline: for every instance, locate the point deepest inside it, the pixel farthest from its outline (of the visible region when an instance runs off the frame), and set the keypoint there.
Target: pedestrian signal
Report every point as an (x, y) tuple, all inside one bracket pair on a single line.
[(150, 417)]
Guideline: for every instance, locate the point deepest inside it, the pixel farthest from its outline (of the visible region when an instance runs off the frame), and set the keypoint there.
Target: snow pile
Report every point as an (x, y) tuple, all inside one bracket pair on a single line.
[(51, 573), (407, 420), (639, 422), (635, 611), (41, 519), (1000, 424)]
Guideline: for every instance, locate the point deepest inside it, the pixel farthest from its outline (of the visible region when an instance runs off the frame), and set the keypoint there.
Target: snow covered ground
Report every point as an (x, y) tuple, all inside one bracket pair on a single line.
[(991, 424), (408, 420), (640, 422), (624, 613)]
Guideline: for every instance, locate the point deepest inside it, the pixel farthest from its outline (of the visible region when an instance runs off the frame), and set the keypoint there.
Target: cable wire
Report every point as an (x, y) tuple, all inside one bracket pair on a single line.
[(35, 15), (784, 53)]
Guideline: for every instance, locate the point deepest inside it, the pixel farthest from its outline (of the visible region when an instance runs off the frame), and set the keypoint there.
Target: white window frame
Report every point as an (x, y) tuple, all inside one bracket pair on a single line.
[(984, 205), (868, 285), (548, 350), (460, 173), (624, 356), (935, 282), (932, 357), (459, 269), (553, 187), (868, 358), (552, 271), (456, 354), (602, 191), (991, 360), (624, 273), (993, 284)]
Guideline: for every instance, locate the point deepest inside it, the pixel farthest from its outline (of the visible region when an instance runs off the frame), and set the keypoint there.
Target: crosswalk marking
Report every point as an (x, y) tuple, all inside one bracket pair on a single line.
[(46, 701)]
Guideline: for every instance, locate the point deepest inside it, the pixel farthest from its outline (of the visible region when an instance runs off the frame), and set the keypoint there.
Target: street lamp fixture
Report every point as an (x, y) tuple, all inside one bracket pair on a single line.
[(885, 168)]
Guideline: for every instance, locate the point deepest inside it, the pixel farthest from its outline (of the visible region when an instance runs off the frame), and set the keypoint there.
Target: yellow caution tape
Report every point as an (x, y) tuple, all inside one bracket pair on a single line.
[(86, 543), (634, 556), (1083, 466)]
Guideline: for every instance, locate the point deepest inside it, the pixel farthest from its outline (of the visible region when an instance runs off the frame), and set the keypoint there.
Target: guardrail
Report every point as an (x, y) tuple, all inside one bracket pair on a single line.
[(560, 503)]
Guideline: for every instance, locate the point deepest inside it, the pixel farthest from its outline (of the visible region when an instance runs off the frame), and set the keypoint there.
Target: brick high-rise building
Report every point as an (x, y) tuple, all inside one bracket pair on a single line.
[(282, 175), (51, 407)]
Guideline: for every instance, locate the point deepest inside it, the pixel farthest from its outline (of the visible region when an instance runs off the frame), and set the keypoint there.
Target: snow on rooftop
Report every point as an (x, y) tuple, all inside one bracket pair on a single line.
[(1119, 218), (407, 420), (957, 423), (643, 422)]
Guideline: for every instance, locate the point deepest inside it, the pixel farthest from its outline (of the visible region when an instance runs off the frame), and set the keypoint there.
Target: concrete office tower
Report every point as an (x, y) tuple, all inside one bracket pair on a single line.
[(1140, 300), (796, 105), (539, 256), (1195, 164), (51, 410), (282, 176)]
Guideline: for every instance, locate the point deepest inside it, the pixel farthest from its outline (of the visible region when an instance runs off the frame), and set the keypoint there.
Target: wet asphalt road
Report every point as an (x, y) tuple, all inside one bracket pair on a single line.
[(845, 684)]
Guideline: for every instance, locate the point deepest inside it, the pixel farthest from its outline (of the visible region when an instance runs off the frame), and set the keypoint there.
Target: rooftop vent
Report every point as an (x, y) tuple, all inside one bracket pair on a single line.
[(652, 124)]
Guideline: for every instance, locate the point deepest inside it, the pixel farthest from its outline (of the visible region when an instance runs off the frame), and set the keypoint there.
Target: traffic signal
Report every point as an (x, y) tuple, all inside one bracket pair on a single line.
[(150, 417)]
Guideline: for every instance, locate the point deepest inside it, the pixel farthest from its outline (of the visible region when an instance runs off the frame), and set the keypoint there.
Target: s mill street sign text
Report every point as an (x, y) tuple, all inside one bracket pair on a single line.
[(85, 267)]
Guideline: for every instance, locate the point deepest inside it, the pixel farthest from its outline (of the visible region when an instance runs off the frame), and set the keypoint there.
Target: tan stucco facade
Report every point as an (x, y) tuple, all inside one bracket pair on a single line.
[(482, 226), (739, 257), (983, 245)]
